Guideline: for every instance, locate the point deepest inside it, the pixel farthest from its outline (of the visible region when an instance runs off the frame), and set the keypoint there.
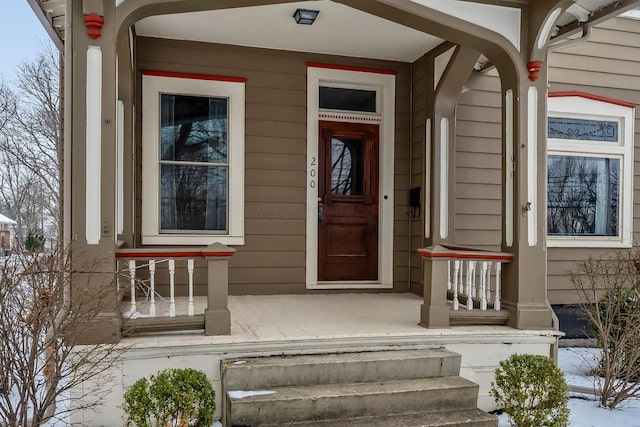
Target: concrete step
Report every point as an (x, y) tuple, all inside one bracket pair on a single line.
[(467, 418), (349, 400), (268, 372)]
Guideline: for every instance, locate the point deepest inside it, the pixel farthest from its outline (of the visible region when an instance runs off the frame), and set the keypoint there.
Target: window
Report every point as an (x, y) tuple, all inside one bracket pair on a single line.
[(633, 13), (193, 160), (589, 173)]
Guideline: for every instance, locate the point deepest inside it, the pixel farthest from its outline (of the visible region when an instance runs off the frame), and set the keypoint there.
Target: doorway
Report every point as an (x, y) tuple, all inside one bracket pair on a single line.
[(348, 201)]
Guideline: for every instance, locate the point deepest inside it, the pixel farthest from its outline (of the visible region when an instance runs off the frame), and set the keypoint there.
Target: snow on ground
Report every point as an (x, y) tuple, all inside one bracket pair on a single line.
[(585, 412)]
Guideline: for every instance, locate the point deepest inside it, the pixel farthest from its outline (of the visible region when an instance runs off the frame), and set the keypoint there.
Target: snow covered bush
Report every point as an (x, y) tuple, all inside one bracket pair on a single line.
[(532, 391), (174, 397)]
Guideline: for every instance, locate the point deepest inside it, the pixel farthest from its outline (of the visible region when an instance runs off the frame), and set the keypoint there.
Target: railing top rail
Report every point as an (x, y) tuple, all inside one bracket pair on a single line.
[(462, 252), (214, 250)]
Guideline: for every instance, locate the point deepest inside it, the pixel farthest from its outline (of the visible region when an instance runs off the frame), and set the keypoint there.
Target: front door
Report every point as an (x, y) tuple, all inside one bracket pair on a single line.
[(348, 202)]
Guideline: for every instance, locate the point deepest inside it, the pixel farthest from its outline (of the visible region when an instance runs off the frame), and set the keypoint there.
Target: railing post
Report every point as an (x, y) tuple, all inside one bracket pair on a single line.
[(434, 312), (217, 318)]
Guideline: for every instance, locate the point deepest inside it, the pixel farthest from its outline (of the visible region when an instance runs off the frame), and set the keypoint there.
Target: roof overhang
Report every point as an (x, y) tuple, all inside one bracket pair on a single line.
[(396, 43)]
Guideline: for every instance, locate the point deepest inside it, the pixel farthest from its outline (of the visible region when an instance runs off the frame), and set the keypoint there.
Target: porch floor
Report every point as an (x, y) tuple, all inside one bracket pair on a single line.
[(281, 323)]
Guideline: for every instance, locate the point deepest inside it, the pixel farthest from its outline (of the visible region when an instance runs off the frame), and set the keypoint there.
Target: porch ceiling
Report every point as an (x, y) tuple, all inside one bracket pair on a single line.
[(338, 30)]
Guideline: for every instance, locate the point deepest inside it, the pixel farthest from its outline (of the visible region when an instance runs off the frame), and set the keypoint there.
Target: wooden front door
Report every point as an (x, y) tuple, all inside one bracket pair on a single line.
[(348, 202)]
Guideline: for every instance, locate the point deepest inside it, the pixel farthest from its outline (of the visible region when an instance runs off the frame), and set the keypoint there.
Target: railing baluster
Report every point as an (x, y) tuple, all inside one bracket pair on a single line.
[(172, 288), (456, 271), (132, 280), (449, 274), (483, 285), (488, 293), (152, 285), (496, 301), (471, 283), (190, 272)]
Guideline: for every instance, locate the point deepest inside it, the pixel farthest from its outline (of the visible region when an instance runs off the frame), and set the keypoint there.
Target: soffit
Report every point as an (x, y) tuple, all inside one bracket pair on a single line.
[(52, 15), (338, 30)]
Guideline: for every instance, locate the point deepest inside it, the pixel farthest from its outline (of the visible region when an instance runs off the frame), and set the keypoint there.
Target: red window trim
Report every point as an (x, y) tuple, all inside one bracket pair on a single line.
[(351, 68), (193, 76)]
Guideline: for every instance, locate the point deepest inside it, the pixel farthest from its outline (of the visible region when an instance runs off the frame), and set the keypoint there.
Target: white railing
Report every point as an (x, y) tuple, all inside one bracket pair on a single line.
[(141, 275), (472, 282), (456, 277), (139, 270)]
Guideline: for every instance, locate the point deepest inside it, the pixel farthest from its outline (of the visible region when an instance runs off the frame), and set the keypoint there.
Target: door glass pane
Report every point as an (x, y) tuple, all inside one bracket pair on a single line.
[(347, 166), (337, 98), (193, 197), (583, 195)]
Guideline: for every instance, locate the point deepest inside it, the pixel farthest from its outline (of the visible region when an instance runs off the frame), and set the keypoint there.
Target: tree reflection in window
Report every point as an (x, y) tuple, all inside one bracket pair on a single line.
[(347, 163), (193, 163), (583, 195)]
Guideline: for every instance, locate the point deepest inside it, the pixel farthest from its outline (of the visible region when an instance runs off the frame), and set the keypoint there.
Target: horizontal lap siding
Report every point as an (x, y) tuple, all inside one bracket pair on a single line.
[(478, 186), (273, 257), (607, 65)]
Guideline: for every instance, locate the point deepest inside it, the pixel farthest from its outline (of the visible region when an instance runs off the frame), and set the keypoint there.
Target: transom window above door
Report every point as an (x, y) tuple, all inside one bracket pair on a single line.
[(348, 99)]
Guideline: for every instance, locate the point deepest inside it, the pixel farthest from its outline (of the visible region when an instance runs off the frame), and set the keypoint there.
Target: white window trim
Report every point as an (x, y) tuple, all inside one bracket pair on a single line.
[(384, 84), (585, 108), (152, 87)]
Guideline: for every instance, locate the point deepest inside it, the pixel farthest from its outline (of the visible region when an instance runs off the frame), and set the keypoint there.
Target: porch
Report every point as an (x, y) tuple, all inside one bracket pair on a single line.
[(161, 290), (319, 324)]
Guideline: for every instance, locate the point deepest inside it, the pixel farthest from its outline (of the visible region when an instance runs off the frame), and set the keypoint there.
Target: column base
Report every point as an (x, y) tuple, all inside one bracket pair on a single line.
[(217, 322), (530, 316), (105, 328), (434, 317)]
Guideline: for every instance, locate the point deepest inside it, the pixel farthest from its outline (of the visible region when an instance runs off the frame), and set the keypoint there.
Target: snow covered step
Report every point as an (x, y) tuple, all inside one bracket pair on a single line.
[(264, 372), (468, 417), (349, 400)]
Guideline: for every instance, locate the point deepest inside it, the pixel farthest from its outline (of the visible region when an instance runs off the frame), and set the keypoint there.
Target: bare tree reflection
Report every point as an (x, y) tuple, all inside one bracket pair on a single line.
[(583, 195), (194, 164)]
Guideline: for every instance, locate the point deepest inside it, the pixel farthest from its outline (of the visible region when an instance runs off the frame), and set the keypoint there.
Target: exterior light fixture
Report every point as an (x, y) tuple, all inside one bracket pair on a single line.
[(305, 16)]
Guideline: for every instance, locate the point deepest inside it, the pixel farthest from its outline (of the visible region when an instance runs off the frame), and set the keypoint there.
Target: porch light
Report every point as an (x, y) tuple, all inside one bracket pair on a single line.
[(305, 16)]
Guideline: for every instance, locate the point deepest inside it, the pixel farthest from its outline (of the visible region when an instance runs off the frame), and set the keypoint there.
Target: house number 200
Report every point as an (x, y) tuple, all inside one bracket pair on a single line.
[(312, 173)]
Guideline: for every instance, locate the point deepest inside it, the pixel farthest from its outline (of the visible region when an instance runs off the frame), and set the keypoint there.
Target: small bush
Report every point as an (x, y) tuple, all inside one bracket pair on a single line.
[(174, 397), (532, 391), (609, 290), (34, 242)]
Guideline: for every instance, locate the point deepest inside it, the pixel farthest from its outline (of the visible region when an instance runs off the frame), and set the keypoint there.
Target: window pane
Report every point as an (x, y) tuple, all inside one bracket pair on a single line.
[(193, 197), (583, 195), (193, 128), (347, 164), (582, 130), (335, 98)]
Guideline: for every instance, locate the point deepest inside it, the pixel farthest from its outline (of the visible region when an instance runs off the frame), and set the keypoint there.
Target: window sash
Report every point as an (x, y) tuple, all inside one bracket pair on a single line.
[(583, 196)]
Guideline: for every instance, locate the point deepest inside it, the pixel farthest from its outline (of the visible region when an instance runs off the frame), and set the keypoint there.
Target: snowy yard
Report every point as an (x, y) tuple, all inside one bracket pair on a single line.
[(585, 412)]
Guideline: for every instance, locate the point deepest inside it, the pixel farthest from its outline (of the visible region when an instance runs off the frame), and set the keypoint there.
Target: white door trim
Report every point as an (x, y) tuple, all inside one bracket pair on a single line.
[(384, 84)]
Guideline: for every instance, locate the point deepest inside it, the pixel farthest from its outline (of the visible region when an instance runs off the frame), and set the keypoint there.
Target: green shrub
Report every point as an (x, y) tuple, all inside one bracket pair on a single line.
[(532, 391), (34, 242), (174, 397)]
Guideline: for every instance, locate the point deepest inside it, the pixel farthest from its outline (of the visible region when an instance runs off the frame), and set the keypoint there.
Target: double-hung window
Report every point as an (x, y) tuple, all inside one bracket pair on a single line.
[(589, 172), (192, 160)]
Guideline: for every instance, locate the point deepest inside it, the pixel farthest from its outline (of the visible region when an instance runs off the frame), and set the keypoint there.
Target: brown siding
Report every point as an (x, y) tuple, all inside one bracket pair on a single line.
[(478, 189), (273, 257), (607, 65)]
